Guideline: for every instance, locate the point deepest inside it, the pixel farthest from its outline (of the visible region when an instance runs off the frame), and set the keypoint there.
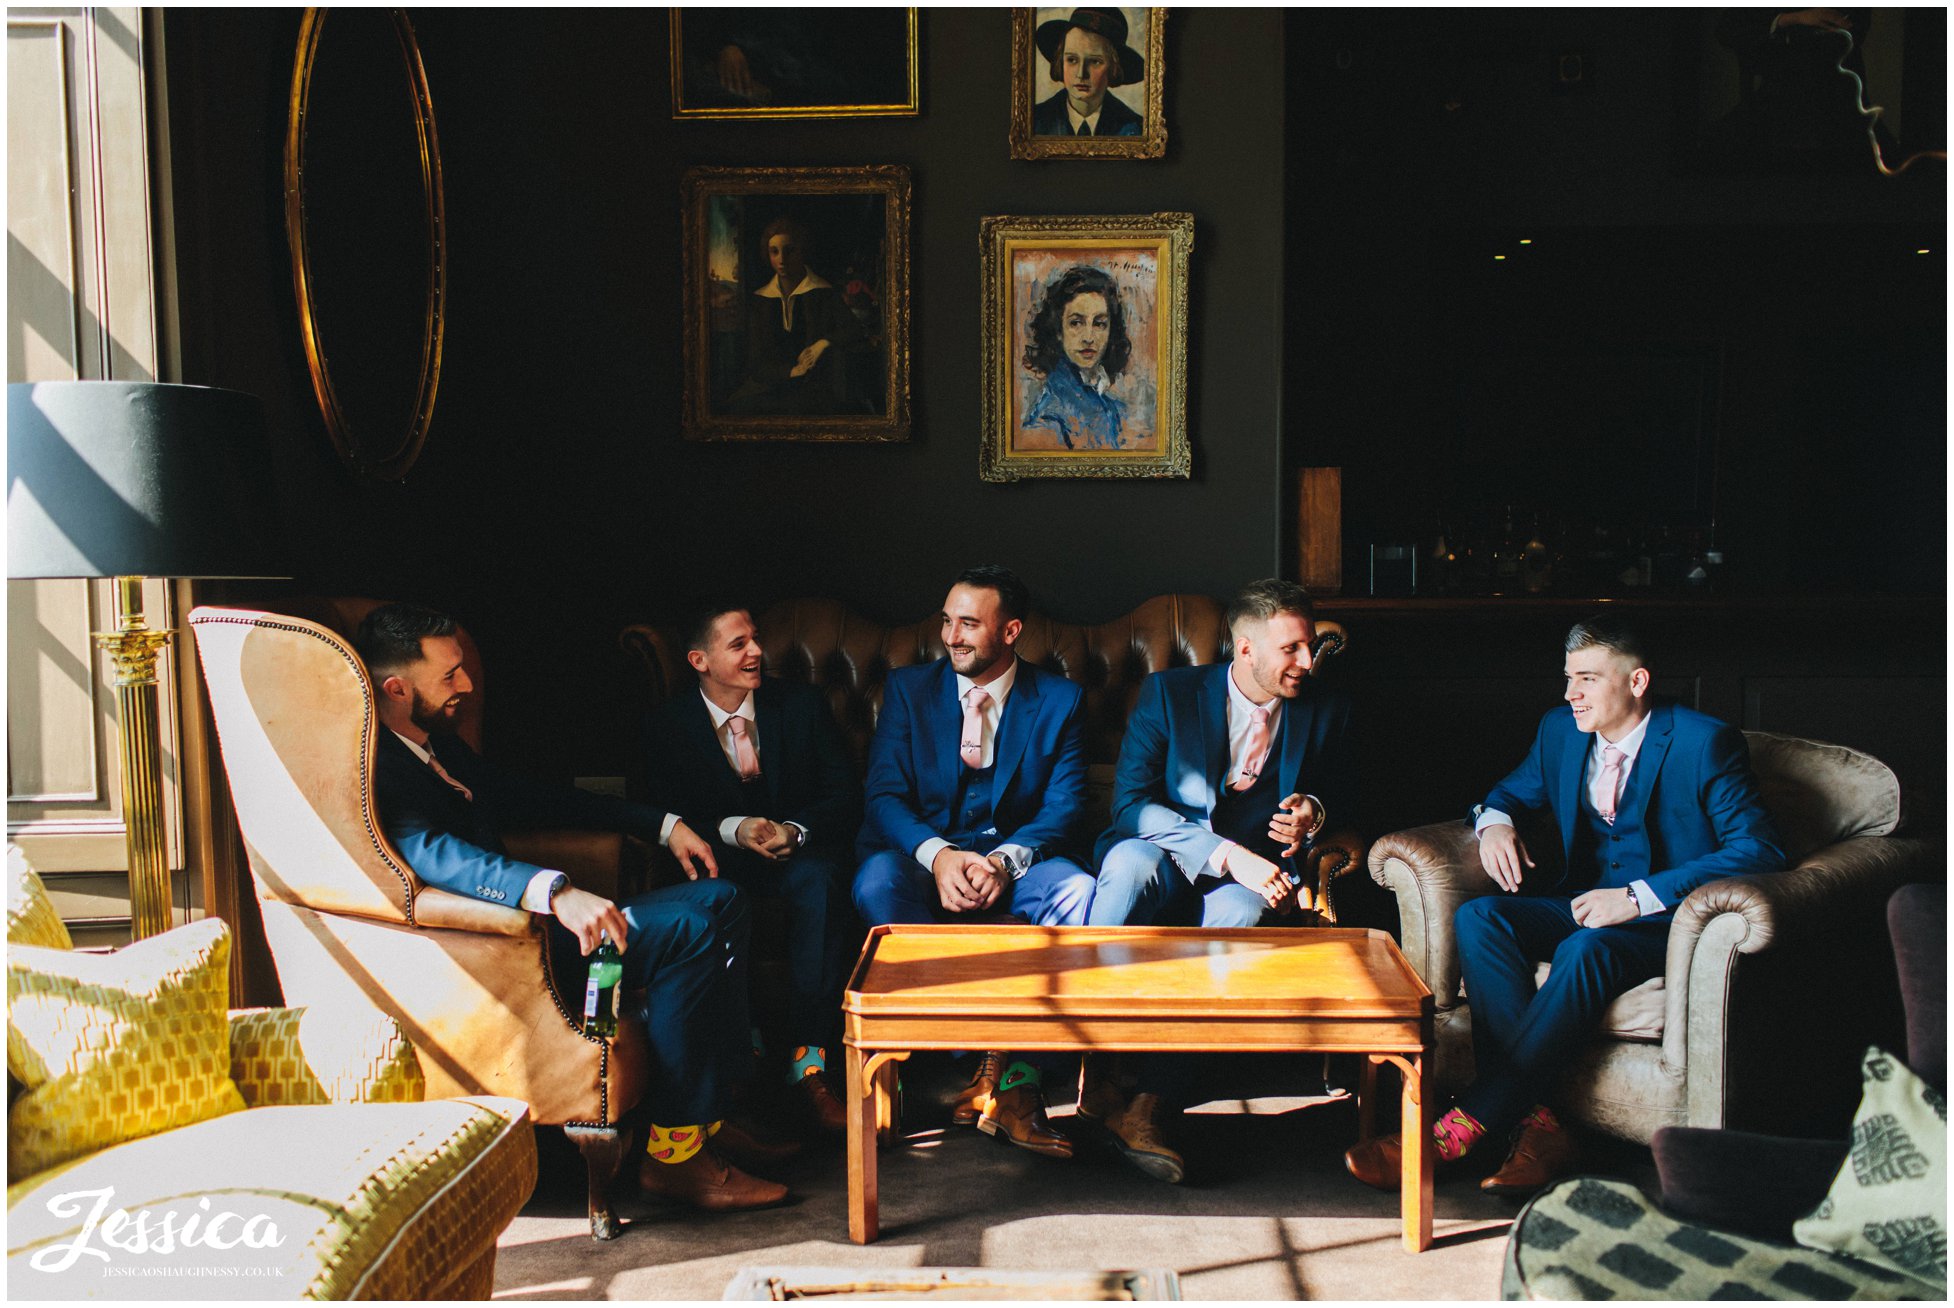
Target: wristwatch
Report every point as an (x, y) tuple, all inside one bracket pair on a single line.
[(1633, 902), (558, 882), (1016, 867)]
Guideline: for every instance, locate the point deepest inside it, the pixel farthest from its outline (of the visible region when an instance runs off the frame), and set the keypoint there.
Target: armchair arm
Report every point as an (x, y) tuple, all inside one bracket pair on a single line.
[(1432, 870), (287, 1056), (1337, 854), (1804, 900)]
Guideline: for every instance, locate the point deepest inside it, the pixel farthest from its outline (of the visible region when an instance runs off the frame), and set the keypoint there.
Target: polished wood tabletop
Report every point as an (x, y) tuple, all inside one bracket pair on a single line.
[(1133, 971)]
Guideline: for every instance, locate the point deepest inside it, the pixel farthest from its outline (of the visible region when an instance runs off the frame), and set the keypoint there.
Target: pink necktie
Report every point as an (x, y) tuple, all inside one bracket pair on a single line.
[(1255, 752), (442, 772), (972, 748), (1608, 783), (747, 761)]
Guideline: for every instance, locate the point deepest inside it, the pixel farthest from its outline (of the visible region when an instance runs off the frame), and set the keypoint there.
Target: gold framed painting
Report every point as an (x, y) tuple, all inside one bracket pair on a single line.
[(1088, 83), (808, 62), (796, 303), (1085, 346)]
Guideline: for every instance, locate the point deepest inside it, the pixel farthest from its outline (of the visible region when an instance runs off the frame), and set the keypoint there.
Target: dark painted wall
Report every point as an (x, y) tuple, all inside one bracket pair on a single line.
[(555, 501)]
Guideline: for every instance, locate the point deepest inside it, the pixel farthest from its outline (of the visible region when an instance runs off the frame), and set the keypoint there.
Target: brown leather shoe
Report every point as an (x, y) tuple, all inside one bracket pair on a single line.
[(707, 1181), (983, 1084), (1100, 1095), (1378, 1162), (1018, 1115), (819, 1101), (1136, 1132), (742, 1144), (1539, 1158)]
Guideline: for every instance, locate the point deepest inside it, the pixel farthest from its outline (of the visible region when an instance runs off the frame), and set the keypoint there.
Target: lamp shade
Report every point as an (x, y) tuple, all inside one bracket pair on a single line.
[(138, 479)]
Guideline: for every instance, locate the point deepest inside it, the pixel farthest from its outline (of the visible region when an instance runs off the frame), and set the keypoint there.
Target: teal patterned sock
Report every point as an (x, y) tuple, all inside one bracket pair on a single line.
[(808, 1059)]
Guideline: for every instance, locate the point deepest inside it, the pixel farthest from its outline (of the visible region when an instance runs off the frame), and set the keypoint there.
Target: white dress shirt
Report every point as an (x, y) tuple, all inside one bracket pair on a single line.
[(729, 830), (1630, 745), (999, 690), (1241, 721)]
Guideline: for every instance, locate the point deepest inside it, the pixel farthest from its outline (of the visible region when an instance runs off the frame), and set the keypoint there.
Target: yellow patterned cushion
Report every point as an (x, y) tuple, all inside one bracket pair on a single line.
[(114, 1047), (31, 919), (307, 1056), (344, 1201)]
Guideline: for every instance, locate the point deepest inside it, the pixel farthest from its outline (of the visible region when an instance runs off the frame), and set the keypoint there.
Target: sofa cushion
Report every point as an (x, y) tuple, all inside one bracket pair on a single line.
[(114, 1047), (1592, 1239), (1819, 794), (31, 919), (1889, 1203), (362, 1200)]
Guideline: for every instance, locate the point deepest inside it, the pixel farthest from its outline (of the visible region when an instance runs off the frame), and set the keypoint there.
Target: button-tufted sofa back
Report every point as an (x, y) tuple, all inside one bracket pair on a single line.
[(823, 643)]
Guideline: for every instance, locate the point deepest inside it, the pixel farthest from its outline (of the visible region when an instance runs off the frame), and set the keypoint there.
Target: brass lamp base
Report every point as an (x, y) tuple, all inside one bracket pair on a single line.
[(133, 646)]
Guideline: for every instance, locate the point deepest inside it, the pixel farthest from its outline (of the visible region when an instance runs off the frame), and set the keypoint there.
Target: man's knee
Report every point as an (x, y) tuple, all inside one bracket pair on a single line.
[(1221, 908), (877, 882), (1068, 898), (1482, 917), (1133, 865)]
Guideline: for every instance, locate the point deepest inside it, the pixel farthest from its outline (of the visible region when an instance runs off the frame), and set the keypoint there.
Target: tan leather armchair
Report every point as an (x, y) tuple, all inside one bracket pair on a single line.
[(825, 644), (349, 924), (1770, 980)]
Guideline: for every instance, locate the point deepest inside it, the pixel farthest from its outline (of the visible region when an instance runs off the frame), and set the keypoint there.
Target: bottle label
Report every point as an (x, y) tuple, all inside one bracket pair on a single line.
[(590, 992)]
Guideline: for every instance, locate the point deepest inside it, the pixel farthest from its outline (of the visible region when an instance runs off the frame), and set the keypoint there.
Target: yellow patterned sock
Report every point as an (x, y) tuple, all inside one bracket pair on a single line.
[(676, 1144)]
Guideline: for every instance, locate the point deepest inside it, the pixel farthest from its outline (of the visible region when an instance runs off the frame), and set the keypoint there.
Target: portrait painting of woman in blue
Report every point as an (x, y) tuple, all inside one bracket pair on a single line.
[(1087, 383)]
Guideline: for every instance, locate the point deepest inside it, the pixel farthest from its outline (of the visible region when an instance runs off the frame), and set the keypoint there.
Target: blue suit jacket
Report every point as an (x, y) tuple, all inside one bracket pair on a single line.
[(804, 764), (455, 843), (1037, 790), (1174, 760), (1690, 810)]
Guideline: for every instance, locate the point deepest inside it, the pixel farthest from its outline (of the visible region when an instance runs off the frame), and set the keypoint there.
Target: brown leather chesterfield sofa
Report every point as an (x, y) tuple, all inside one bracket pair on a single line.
[(352, 928), (825, 644)]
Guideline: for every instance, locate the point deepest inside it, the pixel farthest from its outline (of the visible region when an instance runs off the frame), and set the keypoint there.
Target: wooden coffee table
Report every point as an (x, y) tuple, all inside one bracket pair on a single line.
[(1181, 989)]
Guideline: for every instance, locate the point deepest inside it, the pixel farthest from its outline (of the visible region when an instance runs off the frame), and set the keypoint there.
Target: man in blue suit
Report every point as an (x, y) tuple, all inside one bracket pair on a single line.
[(975, 789), (1226, 773), (1652, 800), (445, 807), (759, 763)]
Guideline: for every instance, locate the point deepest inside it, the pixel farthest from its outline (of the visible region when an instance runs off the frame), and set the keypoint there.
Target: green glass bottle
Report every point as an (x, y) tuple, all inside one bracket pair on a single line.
[(600, 992)]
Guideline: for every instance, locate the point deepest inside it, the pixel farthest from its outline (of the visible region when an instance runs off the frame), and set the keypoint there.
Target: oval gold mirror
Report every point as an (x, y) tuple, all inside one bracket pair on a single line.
[(363, 213)]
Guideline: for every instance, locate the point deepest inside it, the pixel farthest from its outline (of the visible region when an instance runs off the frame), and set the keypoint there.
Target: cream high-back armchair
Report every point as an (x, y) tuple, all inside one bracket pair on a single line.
[(1774, 984), (348, 921)]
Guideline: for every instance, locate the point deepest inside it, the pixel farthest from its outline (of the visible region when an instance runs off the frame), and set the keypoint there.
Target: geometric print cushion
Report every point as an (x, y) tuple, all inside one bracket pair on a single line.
[(1594, 1239), (1889, 1202), (114, 1047)]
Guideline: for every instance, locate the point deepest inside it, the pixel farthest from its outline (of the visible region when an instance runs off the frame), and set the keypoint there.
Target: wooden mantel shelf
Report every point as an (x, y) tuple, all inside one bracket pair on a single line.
[(1528, 605)]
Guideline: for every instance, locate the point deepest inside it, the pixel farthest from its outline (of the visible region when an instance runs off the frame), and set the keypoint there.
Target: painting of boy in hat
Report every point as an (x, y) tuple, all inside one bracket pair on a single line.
[(1086, 55)]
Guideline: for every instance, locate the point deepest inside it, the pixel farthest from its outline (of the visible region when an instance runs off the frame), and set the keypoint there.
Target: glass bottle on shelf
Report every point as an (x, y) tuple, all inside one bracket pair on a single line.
[(1536, 563), (1506, 558)]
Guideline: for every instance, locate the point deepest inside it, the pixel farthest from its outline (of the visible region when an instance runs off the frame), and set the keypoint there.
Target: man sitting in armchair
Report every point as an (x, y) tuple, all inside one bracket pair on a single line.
[(1652, 801), (444, 807)]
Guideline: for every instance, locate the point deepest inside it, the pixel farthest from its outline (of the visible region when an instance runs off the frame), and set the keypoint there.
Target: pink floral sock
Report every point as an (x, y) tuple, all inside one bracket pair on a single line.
[(1455, 1133), (1542, 1117)]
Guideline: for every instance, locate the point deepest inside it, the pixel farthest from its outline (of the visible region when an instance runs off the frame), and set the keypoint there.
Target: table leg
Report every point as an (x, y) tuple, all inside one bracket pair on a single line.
[(863, 1220), (1367, 1098), (1419, 1156), (888, 1100)]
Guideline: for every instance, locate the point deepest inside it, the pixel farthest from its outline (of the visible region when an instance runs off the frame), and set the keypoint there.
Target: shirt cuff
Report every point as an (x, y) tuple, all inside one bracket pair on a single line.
[(1218, 861), (1021, 855), (927, 851), (802, 842), (536, 895), (1490, 817), (665, 831), (729, 831), (1646, 898)]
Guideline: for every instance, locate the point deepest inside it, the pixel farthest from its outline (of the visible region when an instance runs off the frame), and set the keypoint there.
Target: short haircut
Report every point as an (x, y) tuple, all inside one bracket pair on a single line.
[(1013, 600), (1610, 630), (700, 619), (390, 637), (1261, 600)]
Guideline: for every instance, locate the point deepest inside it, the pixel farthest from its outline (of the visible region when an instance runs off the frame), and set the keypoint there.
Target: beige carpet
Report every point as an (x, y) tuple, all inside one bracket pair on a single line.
[(1267, 1213)]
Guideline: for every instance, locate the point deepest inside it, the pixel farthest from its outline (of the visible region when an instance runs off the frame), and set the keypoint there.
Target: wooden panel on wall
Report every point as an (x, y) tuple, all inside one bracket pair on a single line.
[(1902, 721)]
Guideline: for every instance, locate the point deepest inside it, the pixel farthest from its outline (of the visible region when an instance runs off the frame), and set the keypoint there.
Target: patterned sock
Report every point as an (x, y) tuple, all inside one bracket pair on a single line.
[(808, 1059), (1542, 1117), (677, 1144), (1019, 1073), (1455, 1133)]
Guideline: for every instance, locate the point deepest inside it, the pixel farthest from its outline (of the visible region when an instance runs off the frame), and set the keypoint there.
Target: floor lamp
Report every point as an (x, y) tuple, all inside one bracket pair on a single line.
[(131, 480)]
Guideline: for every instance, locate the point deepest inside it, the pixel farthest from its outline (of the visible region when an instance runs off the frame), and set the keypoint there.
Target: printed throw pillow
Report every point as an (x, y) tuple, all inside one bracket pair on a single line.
[(1889, 1202), (115, 1047)]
